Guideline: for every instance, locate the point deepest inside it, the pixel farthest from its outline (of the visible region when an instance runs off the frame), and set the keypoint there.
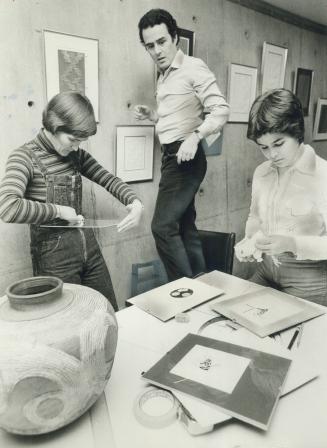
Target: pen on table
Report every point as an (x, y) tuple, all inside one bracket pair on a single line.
[(295, 335), (300, 335)]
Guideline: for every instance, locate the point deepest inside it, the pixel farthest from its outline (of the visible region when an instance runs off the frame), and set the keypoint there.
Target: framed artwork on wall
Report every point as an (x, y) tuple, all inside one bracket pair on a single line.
[(303, 87), (242, 85), (213, 144), (186, 44), (273, 66), (320, 126), (134, 153), (71, 63), (186, 41)]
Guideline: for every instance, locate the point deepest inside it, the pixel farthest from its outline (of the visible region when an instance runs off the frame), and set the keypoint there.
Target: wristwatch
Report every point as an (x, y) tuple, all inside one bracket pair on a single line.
[(198, 133)]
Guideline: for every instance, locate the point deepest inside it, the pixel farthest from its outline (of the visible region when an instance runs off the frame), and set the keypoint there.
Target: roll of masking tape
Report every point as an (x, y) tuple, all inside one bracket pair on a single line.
[(155, 408)]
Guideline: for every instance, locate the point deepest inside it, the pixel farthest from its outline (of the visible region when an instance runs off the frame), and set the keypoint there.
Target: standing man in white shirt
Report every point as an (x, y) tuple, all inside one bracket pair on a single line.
[(185, 89)]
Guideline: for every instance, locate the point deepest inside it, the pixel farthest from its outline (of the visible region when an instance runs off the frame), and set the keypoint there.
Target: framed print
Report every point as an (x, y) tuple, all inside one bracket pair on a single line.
[(273, 66), (134, 153), (303, 87), (267, 311), (213, 144), (186, 41), (240, 381), (242, 86), (71, 63), (186, 44), (320, 126)]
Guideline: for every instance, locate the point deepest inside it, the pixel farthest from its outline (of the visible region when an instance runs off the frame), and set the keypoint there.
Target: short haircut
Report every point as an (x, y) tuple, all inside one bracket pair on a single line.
[(70, 112), (277, 111), (156, 17)]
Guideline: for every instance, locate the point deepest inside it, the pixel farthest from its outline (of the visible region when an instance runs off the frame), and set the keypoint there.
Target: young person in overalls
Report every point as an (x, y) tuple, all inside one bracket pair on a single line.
[(43, 183)]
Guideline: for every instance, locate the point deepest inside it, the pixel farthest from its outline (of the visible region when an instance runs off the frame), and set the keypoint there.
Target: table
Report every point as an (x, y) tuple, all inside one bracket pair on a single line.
[(300, 418), (299, 421)]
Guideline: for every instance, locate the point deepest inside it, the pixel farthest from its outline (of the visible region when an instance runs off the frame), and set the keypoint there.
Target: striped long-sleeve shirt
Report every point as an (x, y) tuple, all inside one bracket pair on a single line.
[(23, 188)]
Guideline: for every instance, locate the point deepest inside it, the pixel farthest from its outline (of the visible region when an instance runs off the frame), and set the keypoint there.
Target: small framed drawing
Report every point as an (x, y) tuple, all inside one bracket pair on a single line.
[(213, 144), (320, 126), (267, 311), (134, 153), (242, 86), (303, 87), (71, 63), (273, 66), (186, 41)]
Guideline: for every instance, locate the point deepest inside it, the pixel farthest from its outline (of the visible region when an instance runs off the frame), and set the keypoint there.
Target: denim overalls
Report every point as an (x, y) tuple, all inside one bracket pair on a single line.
[(71, 254)]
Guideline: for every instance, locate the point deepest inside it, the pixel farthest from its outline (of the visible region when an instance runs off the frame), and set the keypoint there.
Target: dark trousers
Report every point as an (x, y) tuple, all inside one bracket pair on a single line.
[(173, 223), (74, 256)]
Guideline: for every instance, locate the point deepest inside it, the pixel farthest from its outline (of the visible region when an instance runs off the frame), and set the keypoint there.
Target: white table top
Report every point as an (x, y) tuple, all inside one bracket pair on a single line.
[(299, 421)]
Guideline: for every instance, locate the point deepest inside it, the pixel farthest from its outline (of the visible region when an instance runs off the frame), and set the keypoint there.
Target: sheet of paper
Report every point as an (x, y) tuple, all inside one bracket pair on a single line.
[(212, 368), (175, 297), (266, 309)]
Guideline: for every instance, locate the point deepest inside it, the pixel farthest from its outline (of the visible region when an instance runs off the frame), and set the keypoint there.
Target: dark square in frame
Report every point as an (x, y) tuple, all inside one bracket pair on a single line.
[(303, 87), (320, 125), (186, 41)]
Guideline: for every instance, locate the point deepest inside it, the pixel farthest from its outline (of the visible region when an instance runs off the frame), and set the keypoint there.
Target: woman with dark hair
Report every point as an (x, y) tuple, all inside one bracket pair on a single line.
[(286, 227), (43, 183)]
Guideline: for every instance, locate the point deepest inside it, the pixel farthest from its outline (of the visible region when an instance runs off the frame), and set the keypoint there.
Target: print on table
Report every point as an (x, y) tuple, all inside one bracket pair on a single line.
[(211, 367)]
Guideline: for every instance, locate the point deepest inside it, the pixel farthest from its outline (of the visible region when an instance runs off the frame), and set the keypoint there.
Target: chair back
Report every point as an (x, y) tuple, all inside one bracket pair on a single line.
[(146, 276), (218, 250)]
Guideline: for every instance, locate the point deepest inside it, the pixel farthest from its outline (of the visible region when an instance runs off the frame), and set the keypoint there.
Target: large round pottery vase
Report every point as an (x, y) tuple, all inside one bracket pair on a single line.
[(57, 347)]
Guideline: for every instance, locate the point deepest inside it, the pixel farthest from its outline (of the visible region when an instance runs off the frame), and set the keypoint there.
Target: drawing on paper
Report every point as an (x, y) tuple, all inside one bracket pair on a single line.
[(211, 367), (181, 292), (259, 311), (71, 71), (266, 309)]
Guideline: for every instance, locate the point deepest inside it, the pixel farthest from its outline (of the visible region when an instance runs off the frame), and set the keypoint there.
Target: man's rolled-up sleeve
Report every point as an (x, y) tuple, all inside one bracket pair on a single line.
[(215, 106)]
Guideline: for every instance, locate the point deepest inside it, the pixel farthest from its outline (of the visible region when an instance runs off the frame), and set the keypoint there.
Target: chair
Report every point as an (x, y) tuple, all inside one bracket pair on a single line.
[(146, 276), (218, 250)]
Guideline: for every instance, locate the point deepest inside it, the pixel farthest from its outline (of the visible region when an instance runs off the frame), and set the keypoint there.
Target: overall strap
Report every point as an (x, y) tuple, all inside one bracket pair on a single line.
[(30, 146), (76, 161)]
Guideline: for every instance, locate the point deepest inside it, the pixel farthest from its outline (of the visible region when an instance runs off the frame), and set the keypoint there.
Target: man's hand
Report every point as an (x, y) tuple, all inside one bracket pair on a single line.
[(143, 112), (67, 213), (188, 149), (133, 218), (276, 244)]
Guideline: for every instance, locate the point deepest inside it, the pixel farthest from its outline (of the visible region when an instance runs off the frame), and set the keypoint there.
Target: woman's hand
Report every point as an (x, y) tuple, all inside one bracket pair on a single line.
[(67, 213), (246, 251), (276, 244), (133, 218)]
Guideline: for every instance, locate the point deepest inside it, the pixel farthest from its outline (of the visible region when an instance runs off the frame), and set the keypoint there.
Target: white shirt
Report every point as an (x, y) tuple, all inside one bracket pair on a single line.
[(184, 91), (294, 205)]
